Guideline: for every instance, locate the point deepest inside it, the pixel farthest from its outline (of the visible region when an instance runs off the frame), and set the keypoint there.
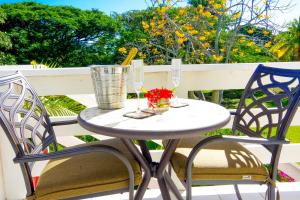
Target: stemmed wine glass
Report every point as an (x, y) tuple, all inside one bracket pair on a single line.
[(138, 81), (175, 75)]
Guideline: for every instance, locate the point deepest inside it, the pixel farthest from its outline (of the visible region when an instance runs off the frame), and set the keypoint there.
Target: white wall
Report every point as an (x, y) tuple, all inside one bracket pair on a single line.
[(12, 176), (2, 191)]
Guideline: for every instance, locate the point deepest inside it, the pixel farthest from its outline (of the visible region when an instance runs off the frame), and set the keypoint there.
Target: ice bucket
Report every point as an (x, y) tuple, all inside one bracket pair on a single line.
[(110, 85)]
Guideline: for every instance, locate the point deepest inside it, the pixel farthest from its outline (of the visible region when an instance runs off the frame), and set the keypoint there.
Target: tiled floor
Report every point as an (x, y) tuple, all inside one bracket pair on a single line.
[(288, 191)]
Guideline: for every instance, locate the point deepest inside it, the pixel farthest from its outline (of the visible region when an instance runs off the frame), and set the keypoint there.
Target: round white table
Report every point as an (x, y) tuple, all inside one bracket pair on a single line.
[(190, 121)]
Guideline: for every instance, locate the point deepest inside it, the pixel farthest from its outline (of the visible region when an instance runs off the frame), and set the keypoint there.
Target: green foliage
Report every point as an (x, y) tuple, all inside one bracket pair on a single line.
[(198, 2), (7, 59), (134, 95), (5, 44), (59, 147), (87, 138), (230, 99), (252, 57), (292, 135), (258, 33), (248, 52), (287, 44), (225, 131), (132, 33), (61, 34), (61, 106), (233, 94), (153, 145)]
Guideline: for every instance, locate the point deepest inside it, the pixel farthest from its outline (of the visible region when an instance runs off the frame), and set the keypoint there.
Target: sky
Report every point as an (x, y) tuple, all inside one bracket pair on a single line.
[(290, 14), (106, 6), (120, 6)]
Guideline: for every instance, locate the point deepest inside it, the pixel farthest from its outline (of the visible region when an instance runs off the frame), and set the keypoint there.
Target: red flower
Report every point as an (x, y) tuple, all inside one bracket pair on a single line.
[(155, 95)]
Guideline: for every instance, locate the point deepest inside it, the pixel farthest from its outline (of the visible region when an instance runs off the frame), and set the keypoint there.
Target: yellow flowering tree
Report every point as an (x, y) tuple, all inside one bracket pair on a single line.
[(212, 31), (206, 32)]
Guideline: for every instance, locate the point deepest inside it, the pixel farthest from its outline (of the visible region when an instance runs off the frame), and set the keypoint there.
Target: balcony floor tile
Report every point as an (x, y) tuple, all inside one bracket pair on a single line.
[(288, 191)]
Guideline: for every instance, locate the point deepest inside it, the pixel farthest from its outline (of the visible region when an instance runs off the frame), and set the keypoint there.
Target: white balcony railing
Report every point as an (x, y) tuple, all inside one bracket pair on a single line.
[(76, 83)]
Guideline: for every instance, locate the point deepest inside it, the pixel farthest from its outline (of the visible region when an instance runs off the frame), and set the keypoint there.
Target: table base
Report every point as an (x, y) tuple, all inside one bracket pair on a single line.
[(154, 169)]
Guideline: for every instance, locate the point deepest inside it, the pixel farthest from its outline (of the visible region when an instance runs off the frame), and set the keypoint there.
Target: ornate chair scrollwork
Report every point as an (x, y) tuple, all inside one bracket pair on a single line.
[(92, 169), (264, 114)]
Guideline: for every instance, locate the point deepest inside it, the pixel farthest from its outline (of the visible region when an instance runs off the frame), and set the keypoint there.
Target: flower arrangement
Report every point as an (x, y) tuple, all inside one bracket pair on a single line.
[(159, 99)]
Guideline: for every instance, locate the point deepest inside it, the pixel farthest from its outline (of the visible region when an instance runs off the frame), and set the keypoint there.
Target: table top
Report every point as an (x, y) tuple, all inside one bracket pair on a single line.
[(196, 118)]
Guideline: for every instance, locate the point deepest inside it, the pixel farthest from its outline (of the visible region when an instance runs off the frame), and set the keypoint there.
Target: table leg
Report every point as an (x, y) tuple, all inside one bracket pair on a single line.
[(163, 184), (172, 186), (166, 156), (145, 150), (161, 173), (144, 164), (163, 188), (151, 169)]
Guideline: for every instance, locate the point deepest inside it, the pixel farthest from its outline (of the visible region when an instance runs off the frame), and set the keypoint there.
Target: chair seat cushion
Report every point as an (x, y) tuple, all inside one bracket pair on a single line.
[(218, 161), (187, 142), (87, 174)]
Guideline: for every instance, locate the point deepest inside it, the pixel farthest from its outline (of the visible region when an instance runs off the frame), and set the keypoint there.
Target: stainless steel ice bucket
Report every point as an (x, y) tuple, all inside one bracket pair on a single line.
[(110, 85)]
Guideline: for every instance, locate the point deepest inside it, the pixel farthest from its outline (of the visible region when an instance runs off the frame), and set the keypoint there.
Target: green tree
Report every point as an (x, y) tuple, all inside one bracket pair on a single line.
[(61, 34), (132, 35), (198, 2), (212, 33), (287, 44), (5, 44)]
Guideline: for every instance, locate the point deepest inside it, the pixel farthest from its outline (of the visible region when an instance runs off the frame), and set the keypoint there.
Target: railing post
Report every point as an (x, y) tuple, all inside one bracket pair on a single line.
[(217, 96), (12, 178)]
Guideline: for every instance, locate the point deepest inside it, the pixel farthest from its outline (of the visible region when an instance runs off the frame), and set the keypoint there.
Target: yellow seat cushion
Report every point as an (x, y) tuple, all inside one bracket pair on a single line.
[(86, 174), (218, 161), (187, 142)]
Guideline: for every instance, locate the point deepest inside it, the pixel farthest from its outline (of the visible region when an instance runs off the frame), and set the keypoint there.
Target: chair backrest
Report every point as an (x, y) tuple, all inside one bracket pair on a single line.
[(275, 87), (24, 120)]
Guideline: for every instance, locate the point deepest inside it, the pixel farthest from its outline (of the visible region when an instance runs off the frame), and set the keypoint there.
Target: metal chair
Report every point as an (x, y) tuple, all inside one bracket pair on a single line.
[(93, 169), (222, 159)]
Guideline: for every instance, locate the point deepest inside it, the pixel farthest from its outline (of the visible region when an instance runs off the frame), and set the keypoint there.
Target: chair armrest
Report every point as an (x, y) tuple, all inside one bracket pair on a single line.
[(67, 153), (65, 122), (222, 138), (254, 140)]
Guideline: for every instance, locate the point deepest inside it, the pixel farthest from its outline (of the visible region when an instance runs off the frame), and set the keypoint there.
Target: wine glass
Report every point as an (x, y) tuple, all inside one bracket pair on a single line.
[(138, 80), (175, 76)]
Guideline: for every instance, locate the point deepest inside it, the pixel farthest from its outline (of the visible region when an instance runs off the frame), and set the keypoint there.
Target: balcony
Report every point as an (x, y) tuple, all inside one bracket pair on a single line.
[(77, 84)]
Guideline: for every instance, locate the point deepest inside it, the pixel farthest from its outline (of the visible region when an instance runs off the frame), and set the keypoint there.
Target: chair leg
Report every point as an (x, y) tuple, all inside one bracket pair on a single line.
[(188, 189), (237, 192), (271, 194)]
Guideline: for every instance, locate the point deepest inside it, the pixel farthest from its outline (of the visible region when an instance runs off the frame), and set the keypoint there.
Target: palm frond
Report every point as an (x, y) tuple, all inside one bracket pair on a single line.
[(287, 43), (60, 106), (59, 110)]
